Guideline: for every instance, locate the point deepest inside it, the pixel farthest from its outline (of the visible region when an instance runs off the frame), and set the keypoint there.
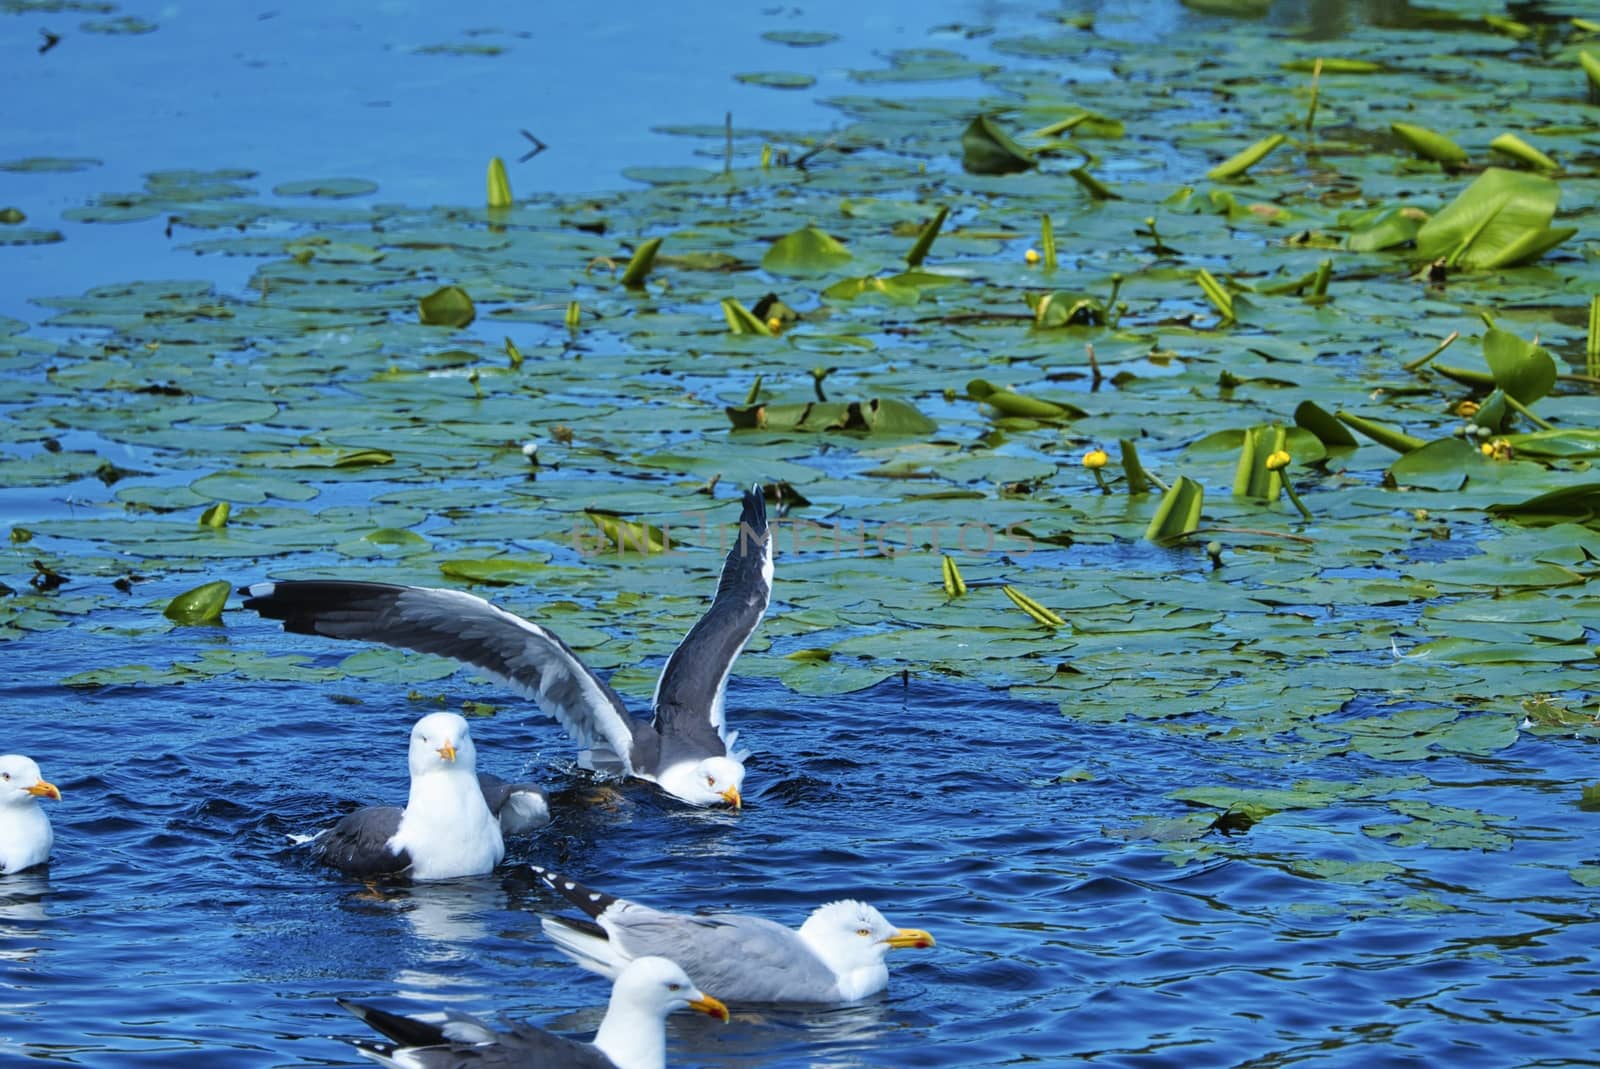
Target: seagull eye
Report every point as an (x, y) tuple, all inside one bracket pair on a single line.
[(864, 932), (711, 781), (674, 987)]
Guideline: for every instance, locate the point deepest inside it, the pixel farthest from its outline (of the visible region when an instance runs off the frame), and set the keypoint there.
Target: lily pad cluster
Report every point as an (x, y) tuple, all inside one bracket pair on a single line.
[(1229, 275)]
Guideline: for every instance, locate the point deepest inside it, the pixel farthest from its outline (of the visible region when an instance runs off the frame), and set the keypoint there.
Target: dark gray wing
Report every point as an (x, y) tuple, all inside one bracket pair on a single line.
[(450, 1040), (531, 660), (521, 807), (359, 843), (690, 693)]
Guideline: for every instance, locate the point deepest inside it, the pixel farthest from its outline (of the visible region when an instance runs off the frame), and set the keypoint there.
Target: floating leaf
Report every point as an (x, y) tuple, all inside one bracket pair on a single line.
[(624, 536), (741, 321), (808, 251), (202, 605), (1443, 464), (1383, 228), (496, 571), (777, 79), (448, 306), (987, 149), (883, 415)]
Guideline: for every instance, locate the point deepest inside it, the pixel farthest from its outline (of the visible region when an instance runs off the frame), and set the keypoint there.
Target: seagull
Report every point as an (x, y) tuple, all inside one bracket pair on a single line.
[(25, 835), (835, 956), (686, 748), (633, 1034), (446, 828)]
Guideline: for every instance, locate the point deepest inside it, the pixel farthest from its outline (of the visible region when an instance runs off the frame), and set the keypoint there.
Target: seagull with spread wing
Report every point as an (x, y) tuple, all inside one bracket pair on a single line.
[(685, 748)]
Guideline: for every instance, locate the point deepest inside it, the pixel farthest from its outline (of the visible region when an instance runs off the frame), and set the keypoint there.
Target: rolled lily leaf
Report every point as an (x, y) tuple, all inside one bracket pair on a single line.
[(1033, 608), (1251, 477), (1518, 149), (202, 605), (1522, 369), (954, 585), (1381, 433), (1311, 417), (1133, 468), (499, 184), (1566, 442), (1591, 70), (1006, 403), (644, 257), (807, 251), (924, 242), (625, 536), (741, 320), (1501, 219), (1428, 144), (1384, 228), (1095, 188), (1179, 511), (448, 306), (1062, 309), (1580, 502), (1237, 165), (1047, 244), (1219, 297), (987, 149), (216, 517)]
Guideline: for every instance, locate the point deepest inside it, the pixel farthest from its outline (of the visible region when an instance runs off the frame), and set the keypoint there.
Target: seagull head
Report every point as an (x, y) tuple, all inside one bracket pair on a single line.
[(714, 781), (659, 986), (442, 741), (852, 935), (21, 783)]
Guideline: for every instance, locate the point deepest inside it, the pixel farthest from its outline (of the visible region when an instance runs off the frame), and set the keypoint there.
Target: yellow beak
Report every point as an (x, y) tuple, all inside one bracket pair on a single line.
[(44, 789), (709, 1006), (448, 751), (910, 937), (731, 796)]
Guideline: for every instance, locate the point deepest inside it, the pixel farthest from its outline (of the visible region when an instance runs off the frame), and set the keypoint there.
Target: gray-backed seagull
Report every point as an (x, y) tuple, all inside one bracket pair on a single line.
[(685, 748), (835, 956), (25, 835), (632, 1035), (445, 830)]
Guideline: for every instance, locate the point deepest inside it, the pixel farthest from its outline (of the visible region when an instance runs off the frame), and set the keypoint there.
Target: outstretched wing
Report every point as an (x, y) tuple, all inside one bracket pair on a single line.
[(690, 693), (531, 660)]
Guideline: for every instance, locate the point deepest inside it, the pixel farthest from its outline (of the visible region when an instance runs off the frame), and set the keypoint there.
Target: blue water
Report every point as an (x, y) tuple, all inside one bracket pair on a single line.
[(177, 927)]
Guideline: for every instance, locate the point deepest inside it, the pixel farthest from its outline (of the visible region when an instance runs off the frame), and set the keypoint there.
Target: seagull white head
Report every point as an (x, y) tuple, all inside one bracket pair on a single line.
[(21, 784), (646, 991), (852, 938), (442, 742), (708, 781)]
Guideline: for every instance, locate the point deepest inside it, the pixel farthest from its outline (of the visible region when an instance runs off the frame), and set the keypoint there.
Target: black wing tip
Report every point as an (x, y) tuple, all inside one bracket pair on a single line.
[(401, 1029), (297, 602), (585, 898), (753, 515)]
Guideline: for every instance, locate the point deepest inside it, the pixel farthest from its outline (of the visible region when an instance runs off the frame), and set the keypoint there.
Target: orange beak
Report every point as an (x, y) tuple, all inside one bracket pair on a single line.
[(448, 751), (731, 796), (44, 789), (710, 1007), (910, 937)]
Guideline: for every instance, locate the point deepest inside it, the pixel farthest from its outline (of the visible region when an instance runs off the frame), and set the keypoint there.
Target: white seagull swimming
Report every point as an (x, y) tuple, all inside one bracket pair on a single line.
[(685, 748), (835, 956), (445, 830), (25, 835), (633, 1034)]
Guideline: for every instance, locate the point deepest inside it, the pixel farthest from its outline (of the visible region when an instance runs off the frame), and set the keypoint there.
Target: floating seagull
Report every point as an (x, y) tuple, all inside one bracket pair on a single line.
[(686, 748), (25, 835), (446, 828), (633, 1034), (835, 956)]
